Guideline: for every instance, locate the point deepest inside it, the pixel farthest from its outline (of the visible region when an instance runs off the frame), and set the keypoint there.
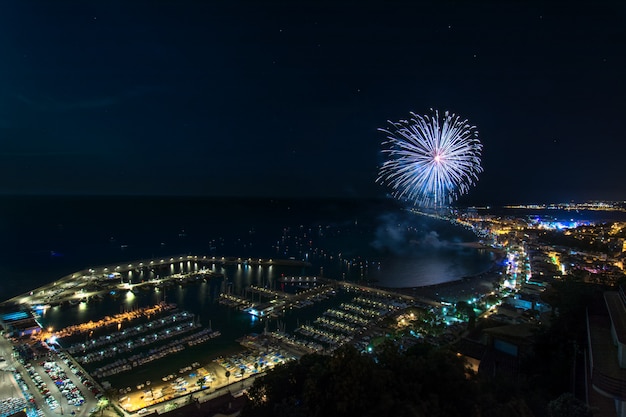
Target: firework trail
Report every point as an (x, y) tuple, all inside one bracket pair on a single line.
[(431, 161)]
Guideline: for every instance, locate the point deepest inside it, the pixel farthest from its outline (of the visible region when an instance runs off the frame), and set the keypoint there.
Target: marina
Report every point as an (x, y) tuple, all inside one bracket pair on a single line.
[(143, 352)]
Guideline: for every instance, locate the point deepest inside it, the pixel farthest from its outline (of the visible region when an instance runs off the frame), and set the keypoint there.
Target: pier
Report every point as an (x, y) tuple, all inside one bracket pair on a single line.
[(77, 286), (277, 302)]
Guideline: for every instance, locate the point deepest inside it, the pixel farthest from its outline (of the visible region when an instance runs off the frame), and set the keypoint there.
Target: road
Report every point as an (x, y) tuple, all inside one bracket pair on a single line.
[(234, 388)]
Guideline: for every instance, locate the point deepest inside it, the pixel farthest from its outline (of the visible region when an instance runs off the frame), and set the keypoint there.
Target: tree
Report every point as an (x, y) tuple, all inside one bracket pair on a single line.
[(566, 405), (348, 383)]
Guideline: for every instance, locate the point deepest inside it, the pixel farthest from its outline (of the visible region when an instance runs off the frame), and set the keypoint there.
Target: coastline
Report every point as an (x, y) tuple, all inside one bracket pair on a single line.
[(464, 287)]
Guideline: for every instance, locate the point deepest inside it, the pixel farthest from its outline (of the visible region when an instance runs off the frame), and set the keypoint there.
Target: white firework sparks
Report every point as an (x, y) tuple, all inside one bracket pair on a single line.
[(431, 162)]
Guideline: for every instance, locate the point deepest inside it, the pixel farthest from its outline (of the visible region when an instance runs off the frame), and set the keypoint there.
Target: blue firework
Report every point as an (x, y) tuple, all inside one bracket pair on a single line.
[(431, 161)]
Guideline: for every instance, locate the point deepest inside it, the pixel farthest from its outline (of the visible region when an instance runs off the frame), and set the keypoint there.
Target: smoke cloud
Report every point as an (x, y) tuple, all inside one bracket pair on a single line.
[(403, 235)]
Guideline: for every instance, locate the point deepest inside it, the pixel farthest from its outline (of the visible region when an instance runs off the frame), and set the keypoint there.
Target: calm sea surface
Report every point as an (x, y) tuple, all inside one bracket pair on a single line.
[(44, 238)]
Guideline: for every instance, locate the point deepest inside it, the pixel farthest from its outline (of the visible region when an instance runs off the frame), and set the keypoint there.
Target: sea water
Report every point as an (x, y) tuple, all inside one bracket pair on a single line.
[(44, 238)]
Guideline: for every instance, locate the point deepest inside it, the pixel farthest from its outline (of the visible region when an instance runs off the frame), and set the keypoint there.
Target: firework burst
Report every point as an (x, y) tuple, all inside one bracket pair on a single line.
[(431, 161)]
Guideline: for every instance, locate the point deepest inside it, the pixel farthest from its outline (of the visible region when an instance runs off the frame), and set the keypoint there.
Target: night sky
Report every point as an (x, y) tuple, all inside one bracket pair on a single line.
[(284, 99)]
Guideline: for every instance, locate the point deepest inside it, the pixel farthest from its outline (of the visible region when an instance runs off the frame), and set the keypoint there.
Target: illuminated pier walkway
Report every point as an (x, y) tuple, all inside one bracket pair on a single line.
[(73, 288)]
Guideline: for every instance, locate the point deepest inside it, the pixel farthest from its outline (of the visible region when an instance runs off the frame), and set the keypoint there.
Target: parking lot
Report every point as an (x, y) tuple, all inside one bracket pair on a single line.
[(53, 383)]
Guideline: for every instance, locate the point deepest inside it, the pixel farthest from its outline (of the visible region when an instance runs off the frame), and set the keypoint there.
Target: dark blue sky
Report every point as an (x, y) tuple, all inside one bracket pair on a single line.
[(260, 98)]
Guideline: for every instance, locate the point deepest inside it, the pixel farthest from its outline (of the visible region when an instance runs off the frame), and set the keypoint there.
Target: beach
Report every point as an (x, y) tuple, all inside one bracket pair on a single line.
[(463, 288)]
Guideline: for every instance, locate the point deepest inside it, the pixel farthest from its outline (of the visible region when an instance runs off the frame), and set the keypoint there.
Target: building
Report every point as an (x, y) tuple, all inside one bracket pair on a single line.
[(606, 358), (19, 323)]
